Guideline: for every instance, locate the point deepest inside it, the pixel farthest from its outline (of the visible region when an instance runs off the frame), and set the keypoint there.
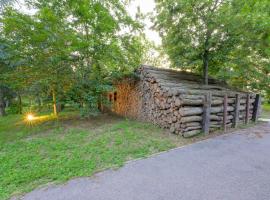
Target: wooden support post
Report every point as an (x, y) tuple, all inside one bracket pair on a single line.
[(206, 113), (247, 108), (236, 111), (225, 113), (256, 109)]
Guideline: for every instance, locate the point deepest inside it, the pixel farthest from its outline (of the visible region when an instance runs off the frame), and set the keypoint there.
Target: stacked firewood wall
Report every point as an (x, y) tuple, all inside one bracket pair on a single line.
[(127, 102), (180, 108)]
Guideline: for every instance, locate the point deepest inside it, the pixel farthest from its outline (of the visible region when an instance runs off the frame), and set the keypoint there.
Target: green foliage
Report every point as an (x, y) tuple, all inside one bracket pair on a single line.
[(65, 44), (232, 37), (14, 108)]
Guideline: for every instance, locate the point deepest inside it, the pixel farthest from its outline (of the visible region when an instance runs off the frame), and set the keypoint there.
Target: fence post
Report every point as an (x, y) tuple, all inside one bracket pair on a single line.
[(206, 113), (247, 108), (256, 109), (236, 111), (225, 106)]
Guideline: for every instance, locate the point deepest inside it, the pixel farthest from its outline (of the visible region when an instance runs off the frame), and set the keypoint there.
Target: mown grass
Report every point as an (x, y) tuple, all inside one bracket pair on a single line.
[(54, 150), (57, 151), (13, 127), (265, 111)]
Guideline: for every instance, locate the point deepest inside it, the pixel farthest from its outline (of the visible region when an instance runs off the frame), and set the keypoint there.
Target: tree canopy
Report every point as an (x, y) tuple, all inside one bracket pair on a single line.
[(228, 39), (71, 50), (72, 44)]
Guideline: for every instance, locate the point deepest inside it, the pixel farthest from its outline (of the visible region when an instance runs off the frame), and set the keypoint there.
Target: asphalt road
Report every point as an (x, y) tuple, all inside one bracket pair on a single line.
[(229, 167)]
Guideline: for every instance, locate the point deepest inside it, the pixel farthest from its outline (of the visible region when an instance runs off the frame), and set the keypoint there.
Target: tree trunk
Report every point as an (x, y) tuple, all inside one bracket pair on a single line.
[(20, 103), (205, 67), (206, 57), (2, 103), (54, 102), (100, 103)]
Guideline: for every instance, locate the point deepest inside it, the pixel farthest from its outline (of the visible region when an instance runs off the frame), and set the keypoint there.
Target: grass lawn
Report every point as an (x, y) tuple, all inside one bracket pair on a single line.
[(56, 150), (266, 111)]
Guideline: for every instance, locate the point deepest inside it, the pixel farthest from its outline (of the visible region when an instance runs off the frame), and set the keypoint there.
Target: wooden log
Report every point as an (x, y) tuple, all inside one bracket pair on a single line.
[(191, 133), (256, 109), (236, 111), (244, 101), (191, 128), (190, 111), (191, 119), (220, 123), (177, 102), (197, 118), (220, 118), (212, 125), (206, 113), (219, 126), (185, 98), (190, 124), (199, 102)]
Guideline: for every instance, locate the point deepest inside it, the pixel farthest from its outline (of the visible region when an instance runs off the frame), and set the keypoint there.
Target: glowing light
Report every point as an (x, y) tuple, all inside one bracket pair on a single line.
[(30, 117)]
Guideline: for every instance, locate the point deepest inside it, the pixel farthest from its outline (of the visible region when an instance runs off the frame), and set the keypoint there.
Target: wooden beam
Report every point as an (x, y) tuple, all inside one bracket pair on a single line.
[(225, 113), (247, 108), (206, 113), (236, 111), (256, 108)]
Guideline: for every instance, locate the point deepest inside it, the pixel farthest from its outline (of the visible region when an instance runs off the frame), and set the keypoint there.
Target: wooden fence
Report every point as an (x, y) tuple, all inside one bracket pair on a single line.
[(207, 111)]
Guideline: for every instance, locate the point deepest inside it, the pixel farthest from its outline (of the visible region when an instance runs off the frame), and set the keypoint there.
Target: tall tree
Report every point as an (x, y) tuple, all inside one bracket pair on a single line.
[(68, 43), (209, 35), (44, 42), (106, 43)]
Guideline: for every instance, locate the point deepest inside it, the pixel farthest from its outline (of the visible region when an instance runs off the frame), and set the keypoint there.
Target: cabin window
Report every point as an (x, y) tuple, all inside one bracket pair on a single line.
[(115, 96)]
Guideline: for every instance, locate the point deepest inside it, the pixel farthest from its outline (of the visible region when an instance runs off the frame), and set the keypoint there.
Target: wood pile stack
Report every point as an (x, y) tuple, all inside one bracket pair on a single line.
[(178, 101), (126, 99)]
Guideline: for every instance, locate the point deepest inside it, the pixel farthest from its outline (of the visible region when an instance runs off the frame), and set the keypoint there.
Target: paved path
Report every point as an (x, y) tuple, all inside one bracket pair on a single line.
[(229, 167)]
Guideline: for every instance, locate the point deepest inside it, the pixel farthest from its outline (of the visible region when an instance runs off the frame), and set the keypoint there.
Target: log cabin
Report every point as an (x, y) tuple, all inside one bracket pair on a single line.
[(180, 102)]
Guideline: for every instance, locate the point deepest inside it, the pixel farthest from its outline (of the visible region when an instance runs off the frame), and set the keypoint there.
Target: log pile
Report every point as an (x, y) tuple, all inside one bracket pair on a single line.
[(126, 99), (175, 100), (178, 101)]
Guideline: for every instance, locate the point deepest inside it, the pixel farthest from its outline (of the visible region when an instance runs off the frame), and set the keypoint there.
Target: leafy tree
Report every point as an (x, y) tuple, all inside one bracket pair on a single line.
[(45, 43), (254, 51), (72, 44), (215, 36), (104, 46)]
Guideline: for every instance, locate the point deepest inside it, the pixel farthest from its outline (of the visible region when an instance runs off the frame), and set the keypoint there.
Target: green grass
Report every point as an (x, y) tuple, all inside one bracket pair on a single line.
[(58, 151), (13, 127), (54, 150), (266, 111)]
